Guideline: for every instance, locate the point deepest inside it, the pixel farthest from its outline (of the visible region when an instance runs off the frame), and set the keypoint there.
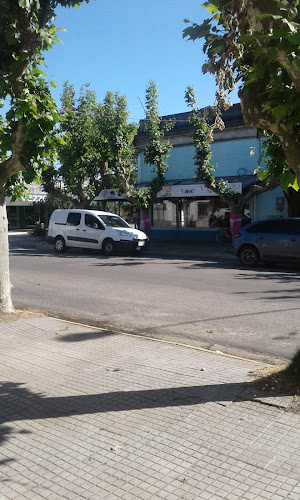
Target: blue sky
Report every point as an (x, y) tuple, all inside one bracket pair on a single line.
[(120, 45)]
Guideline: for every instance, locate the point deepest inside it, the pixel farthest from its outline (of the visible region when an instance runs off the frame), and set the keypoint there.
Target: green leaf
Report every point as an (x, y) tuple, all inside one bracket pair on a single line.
[(280, 111), (264, 16), (53, 84), (211, 7), (294, 38), (25, 4), (61, 140), (288, 180)]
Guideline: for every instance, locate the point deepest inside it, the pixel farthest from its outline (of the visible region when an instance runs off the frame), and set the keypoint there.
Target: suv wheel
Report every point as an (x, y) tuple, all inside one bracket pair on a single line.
[(249, 255)]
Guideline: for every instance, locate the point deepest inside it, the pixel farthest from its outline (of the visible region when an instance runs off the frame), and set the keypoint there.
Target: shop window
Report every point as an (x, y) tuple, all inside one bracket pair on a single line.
[(164, 214), (207, 213), (12, 217), (32, 215)]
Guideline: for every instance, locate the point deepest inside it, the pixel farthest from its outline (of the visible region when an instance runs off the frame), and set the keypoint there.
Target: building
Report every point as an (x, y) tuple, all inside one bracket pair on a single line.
[(186, 209), (25, 212)]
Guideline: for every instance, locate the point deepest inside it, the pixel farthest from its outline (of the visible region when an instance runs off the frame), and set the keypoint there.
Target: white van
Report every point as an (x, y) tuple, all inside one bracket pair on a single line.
[(93, 229)]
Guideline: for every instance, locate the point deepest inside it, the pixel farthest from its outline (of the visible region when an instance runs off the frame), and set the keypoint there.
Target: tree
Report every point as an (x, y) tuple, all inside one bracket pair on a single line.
[(26, 139), (96, 149), (155, 152), (257, 44), (203, 136), (275, 166)]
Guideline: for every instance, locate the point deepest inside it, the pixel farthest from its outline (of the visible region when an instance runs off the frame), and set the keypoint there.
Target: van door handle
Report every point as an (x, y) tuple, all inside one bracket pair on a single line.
[(261, 238), (77, 229), (84, 230)]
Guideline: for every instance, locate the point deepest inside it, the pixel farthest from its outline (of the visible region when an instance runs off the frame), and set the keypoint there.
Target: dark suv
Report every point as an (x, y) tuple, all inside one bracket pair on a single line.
[(269, 240)]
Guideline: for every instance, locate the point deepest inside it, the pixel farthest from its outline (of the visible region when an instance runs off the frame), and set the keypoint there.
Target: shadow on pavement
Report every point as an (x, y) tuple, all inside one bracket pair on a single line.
[(81, 337), (19, 403)]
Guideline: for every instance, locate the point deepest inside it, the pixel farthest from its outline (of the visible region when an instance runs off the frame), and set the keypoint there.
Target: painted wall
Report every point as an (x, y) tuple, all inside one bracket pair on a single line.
[(264, 205), (229, 157)]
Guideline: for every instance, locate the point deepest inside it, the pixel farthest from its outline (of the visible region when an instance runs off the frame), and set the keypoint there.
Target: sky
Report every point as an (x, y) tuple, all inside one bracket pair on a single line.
[(120, 45)]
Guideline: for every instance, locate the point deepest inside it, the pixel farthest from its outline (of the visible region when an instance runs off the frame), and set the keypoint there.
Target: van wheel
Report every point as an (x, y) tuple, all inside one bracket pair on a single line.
[(59, 244), (108, 247), (249, 255)]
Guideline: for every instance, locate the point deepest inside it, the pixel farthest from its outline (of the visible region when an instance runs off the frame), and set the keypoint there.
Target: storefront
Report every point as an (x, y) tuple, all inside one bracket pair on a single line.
[(24, 213), (189, 212)]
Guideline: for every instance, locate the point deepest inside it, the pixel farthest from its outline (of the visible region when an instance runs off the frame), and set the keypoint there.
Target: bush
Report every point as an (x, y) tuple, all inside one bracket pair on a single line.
[(39, 230), (293, 368)]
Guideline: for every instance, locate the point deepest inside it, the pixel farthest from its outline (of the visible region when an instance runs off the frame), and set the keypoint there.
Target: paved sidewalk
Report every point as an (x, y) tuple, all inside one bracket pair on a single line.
[(97, 415)]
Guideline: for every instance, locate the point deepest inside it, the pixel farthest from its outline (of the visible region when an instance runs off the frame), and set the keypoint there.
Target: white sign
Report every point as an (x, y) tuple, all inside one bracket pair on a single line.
[(109, 194), (192, 190), (37, 197)]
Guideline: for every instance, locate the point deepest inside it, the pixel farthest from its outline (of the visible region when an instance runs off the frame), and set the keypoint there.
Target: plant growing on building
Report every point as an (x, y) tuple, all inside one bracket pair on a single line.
[(97, 148), (203, 136), (257, 44), (26, 138), (156, 150)]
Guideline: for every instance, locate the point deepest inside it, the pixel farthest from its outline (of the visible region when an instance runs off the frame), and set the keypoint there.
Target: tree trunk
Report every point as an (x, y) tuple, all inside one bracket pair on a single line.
[(145, 221), (5, 285), (235, 222), (293, 198)]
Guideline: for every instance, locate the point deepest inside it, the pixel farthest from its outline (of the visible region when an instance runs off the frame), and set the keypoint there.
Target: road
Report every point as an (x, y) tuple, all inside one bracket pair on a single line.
[(220, 306)]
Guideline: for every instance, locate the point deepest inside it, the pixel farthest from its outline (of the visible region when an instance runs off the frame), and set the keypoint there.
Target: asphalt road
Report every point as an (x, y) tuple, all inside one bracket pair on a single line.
[(220, 306)]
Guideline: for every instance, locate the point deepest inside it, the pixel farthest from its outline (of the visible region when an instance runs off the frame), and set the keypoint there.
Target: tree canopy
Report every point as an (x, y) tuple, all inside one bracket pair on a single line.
[(26, 138), (257, 44), (95, 150), (26, 141)]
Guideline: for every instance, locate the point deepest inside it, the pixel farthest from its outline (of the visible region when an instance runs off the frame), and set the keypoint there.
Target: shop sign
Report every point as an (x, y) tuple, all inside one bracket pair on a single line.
[(27, 201), (35, 197), (193, 190)]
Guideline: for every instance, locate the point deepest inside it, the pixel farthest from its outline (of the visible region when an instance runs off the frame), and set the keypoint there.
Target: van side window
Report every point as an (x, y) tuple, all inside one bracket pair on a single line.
[(73, 219), (91, 221)]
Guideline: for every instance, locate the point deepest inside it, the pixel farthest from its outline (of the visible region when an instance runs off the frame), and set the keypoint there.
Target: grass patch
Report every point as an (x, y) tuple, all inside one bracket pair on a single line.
[(6, 318)]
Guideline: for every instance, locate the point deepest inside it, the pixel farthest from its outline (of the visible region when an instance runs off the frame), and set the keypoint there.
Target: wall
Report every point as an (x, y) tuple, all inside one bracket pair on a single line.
[(232, 157), (264, 205)]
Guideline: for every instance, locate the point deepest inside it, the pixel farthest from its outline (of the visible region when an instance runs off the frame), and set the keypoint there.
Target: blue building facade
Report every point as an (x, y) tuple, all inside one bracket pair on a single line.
[(185, 209)]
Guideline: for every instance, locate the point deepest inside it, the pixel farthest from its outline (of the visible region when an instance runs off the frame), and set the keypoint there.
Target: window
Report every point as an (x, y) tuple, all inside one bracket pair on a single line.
[(114, 221), (261, 227), (91, 221), (164, 214), (276, 227), (73, 219)]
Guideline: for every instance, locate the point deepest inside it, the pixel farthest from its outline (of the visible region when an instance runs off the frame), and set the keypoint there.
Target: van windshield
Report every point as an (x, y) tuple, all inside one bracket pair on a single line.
[(113, 221)]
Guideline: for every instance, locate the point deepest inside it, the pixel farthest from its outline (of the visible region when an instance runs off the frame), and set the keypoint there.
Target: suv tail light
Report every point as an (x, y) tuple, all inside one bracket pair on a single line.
[(237, 235)]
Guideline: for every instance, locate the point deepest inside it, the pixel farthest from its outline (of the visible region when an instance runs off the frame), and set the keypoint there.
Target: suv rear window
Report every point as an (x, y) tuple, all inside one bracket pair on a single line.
[(73, 219), (276, 227)]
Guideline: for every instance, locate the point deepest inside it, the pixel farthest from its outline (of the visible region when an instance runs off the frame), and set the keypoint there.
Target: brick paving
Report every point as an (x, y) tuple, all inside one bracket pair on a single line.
[(89, 414)]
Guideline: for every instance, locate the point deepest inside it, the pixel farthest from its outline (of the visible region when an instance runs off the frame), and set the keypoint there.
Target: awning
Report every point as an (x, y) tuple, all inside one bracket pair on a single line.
[(109, 195), (190, 188), (193, 191)]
